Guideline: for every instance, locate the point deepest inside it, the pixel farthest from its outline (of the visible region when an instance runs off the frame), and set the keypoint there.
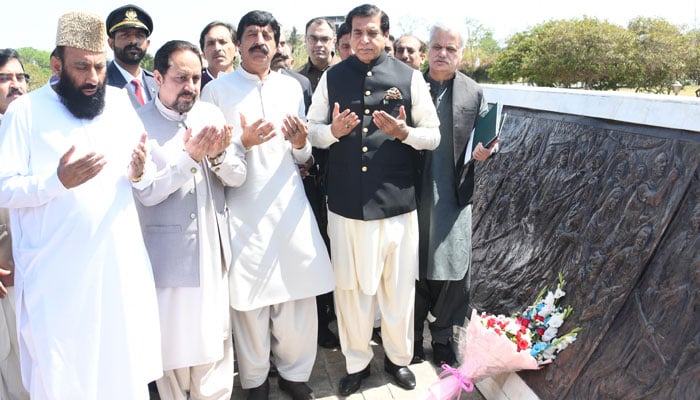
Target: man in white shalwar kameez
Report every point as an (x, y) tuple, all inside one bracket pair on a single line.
[(13, 83), (280, 262), (86, 303), (183, 220)]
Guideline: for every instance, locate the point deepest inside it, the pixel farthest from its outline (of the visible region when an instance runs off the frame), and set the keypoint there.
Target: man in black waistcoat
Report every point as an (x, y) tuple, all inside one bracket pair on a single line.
[(387, 117), (445, 198)]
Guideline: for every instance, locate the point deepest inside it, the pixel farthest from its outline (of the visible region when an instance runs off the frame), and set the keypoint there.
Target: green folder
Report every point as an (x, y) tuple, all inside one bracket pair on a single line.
[(487, 128)]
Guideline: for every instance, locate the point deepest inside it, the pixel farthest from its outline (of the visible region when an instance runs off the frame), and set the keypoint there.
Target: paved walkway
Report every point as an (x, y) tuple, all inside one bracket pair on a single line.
[(330, 367)]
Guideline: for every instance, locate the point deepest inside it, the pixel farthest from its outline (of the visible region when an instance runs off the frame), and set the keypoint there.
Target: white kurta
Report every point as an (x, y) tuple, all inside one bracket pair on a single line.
[(278, 252), (86, 304)]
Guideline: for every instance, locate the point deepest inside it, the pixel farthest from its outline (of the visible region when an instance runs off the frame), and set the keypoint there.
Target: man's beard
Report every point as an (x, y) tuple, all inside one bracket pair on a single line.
[(183, 105), (79, 104), (124, 56)]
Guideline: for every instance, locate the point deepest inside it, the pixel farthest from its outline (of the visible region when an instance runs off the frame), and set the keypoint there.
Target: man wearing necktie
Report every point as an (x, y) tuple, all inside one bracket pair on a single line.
[(128, 29)]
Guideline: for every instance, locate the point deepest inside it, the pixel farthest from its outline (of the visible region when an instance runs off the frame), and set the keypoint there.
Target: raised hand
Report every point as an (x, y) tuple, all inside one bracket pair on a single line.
[(343, 122), (223, 140), (395, 127), (138, 159), (199, 146), (256, 133), (75, 173), (295, 130)]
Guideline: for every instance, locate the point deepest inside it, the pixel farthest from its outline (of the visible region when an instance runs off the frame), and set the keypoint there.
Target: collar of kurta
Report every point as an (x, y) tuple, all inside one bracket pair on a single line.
[(253, 77), (168, 113)]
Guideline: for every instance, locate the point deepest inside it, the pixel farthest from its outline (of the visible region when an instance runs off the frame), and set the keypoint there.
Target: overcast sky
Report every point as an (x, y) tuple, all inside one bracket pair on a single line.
[(33, 24)]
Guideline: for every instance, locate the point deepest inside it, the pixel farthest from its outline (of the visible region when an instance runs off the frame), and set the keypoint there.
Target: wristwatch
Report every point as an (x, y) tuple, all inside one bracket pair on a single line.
[(218, 159)]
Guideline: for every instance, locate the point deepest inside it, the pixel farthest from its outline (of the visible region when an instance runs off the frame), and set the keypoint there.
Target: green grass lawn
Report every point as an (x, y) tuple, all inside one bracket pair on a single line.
[(688, 90)]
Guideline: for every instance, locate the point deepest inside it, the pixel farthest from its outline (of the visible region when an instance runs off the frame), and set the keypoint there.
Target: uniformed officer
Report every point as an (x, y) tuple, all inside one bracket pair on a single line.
[(128, 29)]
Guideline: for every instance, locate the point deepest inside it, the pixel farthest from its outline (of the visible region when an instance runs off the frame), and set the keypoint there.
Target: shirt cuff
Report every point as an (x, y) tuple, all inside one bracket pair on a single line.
[(323, 136), (185, 163), (148, 176), (303, 154), (54, 186)]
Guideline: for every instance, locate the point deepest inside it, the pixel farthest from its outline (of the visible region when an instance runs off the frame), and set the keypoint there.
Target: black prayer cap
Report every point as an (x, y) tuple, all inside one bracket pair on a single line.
[(128, 16)]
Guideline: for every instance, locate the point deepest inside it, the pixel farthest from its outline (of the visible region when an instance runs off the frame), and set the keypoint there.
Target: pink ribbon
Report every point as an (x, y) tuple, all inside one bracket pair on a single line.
[(465, 383)]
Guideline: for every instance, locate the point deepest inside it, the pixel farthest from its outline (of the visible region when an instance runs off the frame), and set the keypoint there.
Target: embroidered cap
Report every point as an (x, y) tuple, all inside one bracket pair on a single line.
[(129, 16), (81, 30)]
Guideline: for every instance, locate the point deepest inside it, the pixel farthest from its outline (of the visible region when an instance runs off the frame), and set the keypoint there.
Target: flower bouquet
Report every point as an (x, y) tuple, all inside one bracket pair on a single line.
[(493, 344)]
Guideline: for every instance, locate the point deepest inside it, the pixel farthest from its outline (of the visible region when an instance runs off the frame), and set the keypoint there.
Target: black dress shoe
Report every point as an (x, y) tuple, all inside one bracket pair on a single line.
[(261, 392), (443, 354), (297, 390), (350, 383), (418, 353), (402, 375), (327, 339)]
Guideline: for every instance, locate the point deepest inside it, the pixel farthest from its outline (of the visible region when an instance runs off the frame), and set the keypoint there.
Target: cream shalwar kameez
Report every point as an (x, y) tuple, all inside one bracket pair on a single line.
[(375, 261), (280, 262)]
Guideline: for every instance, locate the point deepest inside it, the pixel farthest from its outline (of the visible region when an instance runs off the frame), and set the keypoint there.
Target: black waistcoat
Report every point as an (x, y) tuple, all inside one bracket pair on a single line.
[(371, 175)]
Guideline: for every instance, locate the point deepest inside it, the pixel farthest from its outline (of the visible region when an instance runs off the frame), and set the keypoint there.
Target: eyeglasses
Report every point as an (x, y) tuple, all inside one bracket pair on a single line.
[(316, 39), (19, 77)]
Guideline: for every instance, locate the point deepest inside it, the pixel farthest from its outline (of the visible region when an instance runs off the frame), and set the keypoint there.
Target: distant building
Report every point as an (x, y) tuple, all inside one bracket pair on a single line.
[(335, 21)]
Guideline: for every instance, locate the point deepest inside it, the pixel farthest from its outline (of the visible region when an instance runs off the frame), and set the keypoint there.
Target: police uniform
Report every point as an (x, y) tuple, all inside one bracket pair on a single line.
[(130, 16)]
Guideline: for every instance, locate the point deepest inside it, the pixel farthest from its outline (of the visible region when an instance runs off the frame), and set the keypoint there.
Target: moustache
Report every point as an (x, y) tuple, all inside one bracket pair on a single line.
[(186, 93), (132, 47), (14, 91), (279, 56), (260, 47), (88, 87)]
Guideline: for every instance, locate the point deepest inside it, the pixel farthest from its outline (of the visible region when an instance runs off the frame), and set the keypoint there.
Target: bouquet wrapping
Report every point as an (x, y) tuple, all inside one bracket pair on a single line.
[(492, 344)]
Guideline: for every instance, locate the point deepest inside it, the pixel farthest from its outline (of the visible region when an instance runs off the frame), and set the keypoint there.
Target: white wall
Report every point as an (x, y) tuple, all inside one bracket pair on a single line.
[(669, 111)]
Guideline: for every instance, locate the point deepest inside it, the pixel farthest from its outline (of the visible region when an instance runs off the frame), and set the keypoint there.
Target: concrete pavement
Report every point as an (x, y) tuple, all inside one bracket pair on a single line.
[(330, 367)]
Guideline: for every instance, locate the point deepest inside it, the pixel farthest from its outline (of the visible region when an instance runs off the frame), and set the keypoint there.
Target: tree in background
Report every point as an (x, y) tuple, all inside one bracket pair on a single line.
[(480, 51), (659, 55), (582, 52), (296, 43), (147, 62), (692, 56), (37, 65), (511, 62), (648, 56)]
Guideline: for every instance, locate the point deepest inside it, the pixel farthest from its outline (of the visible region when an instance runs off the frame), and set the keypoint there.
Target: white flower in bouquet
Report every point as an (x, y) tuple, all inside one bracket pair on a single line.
[(559, 293), (549, 334), (548, 305), (512, 327), (558, 345), (556, 320)]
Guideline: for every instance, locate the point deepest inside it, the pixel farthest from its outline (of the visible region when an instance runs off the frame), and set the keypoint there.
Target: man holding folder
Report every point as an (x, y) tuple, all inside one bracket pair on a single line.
[(447, 186)]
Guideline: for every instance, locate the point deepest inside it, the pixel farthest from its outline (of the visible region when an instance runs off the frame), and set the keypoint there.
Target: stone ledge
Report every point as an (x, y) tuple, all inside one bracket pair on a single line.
[(507, 386), (676, 112)]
